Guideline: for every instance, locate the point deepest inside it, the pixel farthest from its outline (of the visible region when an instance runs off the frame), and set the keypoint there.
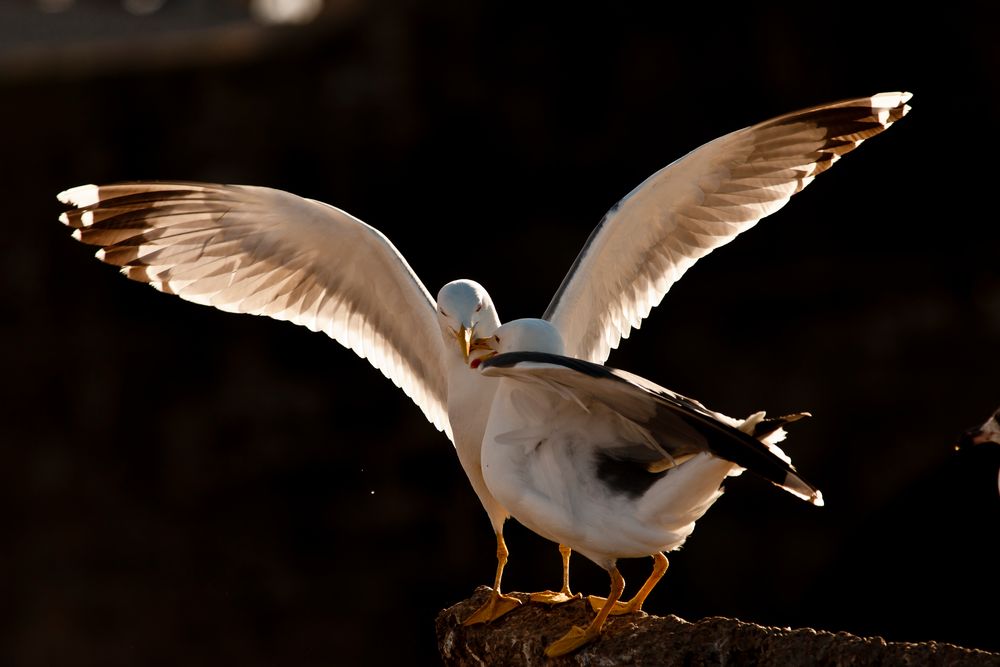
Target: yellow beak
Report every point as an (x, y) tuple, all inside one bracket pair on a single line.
[(482, 344), (464, 337)]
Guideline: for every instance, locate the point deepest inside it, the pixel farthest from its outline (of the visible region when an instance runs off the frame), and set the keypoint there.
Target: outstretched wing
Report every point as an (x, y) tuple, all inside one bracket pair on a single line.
[(671, 427), (681, 213), (257, 250)]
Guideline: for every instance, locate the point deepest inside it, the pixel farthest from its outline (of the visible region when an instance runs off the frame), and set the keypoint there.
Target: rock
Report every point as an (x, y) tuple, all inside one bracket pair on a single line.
[(520, 638)]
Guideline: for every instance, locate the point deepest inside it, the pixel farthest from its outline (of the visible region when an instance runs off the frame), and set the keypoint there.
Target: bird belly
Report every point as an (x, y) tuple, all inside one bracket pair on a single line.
[(673, 504), (549, 479), (546, 477)]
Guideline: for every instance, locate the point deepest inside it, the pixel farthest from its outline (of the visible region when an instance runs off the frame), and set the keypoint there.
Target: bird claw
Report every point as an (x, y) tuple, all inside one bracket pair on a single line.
[(572, 640), (495, 607), (597, 603), (555, 597)]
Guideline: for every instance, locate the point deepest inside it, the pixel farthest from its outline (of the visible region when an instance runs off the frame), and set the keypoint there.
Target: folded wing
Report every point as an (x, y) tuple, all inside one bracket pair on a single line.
[(667, 426)]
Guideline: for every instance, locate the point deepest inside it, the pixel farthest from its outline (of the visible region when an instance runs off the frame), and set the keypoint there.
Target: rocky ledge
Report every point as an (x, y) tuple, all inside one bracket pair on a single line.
[(520, 638)]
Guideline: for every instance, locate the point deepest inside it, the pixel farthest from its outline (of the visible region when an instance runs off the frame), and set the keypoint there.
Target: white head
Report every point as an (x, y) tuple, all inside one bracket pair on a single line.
[(528, 335), (466, 315)]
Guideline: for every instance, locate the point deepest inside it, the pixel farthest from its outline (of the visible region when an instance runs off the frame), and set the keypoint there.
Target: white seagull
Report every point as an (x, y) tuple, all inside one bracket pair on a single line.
[(988, 433), (608, 463), (267, 252)]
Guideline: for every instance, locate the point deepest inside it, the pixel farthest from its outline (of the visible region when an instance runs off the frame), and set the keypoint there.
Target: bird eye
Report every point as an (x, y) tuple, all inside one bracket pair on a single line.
[(479, 307), (441, 310), (496, 338)]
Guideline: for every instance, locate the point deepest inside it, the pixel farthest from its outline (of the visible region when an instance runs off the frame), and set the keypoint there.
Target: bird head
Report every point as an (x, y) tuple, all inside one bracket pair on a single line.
[(467, 318), (526, 335)]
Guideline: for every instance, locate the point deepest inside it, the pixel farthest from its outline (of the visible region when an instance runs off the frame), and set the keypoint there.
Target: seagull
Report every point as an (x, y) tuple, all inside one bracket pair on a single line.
[(988, 433), (608, 463), (257, 250)]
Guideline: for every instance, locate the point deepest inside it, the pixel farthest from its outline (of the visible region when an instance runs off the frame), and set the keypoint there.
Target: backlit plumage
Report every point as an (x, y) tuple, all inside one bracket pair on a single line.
[(267, 252)]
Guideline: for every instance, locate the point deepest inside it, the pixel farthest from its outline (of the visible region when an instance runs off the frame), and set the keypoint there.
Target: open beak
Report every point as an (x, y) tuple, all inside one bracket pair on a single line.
[(482, 344)]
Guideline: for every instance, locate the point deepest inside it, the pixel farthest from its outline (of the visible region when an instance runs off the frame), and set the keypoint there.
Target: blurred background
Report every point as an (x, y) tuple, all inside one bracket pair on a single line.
[(185, 486)]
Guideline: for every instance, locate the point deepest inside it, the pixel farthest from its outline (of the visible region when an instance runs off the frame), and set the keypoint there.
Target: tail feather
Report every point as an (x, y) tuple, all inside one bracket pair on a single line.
[(766, 427), (769, 432)]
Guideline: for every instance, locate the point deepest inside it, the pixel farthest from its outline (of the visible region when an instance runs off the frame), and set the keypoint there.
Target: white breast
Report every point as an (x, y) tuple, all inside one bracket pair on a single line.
[(469, 398)]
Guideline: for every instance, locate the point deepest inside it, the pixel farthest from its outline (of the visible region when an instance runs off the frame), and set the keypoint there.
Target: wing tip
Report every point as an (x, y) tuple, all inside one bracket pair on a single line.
[(891, 99), (77, 219), (890, 107), (800, 488), (80, 196)]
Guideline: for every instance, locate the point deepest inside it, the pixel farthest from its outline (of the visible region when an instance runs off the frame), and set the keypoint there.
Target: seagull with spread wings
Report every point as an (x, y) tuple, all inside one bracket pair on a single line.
[(262, 251)]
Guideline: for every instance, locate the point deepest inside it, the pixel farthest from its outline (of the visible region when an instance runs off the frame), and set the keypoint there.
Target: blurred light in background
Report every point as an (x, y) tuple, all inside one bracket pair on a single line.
[(267, 12), (40, 38), (296, 12)]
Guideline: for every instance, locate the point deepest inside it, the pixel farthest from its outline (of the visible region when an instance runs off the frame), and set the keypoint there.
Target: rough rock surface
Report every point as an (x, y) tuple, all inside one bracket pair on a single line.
[(520, 638)]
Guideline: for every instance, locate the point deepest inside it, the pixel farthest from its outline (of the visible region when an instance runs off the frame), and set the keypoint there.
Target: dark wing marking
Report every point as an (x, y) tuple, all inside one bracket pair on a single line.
[(679, 425)]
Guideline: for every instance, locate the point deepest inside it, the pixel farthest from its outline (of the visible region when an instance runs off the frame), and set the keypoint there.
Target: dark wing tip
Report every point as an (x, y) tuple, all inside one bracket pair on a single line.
[(803, 489), (845, 126), (766, 427)]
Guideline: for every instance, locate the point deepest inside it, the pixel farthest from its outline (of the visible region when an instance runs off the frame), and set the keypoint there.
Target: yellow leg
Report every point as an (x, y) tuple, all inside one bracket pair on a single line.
[(660, 564), (498, 604), (564, 595), (578, 636)]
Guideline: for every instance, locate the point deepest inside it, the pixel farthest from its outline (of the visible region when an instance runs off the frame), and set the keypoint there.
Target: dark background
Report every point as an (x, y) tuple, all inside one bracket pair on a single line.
[(184, 486)]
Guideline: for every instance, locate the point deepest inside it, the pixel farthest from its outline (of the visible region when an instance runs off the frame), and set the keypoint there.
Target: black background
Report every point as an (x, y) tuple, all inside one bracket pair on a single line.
[(184, 486)]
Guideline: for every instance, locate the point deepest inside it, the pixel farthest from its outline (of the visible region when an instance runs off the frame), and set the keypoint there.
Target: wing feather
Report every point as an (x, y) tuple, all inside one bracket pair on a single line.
[(699, 203), (671, 426), (257, 250)]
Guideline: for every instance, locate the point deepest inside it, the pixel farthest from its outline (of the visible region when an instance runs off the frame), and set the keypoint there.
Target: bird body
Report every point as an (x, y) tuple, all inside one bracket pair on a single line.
[(469, 396), (607, 463), (551, 480)]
